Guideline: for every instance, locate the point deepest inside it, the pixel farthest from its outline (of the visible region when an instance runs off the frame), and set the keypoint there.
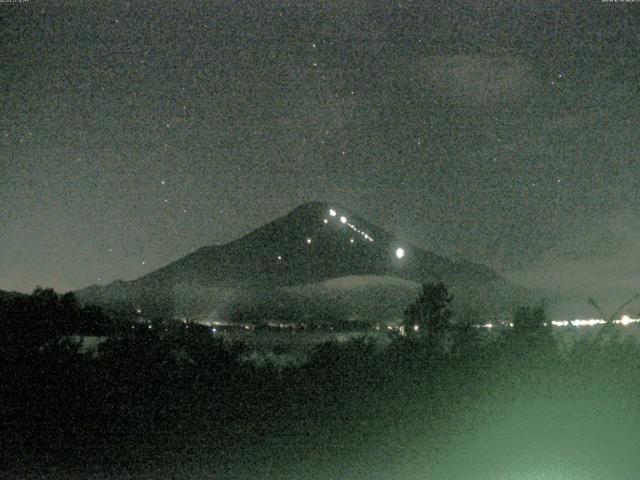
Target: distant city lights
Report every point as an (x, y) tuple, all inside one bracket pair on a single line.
[(343, 219), (332, 212), (625, 320), (400, 252)]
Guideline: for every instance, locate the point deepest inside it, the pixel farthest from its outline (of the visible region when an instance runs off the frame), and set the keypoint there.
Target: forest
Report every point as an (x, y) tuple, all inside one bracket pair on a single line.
[(444, 399)]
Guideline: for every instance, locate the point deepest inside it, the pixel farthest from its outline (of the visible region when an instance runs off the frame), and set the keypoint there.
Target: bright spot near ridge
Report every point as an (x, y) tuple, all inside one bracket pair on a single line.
[(343, 219), (400, 252), (332, 212)]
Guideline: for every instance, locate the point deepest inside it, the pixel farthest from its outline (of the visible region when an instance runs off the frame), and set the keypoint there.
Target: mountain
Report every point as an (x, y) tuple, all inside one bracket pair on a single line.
[(314, 243)]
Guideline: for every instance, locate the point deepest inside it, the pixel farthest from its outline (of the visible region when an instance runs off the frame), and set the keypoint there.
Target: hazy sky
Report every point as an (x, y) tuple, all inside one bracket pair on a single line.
[(134, 132)]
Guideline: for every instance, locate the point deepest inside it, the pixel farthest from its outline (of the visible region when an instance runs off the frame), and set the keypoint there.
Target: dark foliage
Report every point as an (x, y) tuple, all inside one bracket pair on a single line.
[(429, 317), (149, 393)]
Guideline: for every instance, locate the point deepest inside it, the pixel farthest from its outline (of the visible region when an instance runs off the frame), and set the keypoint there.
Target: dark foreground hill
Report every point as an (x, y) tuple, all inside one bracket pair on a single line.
[(314, 243)]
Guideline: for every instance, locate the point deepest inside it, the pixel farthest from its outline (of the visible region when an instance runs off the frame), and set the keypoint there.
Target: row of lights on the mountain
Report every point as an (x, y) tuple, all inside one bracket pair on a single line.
[(344, 221), (399, 251)]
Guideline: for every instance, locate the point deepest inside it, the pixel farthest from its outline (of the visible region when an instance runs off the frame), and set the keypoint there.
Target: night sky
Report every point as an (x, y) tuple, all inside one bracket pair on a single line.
[(504, 132)]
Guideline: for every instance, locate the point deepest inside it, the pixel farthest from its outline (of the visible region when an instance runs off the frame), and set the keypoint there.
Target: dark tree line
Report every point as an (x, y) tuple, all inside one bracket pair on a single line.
[(162, 385), (28, 322)]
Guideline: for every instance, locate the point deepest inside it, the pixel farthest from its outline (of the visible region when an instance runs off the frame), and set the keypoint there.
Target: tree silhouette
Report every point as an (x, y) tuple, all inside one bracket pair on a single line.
[(429, 316), (529, 320), (532, 333)]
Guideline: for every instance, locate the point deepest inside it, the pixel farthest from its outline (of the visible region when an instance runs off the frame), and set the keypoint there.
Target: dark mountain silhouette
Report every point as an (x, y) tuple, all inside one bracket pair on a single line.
[(313, 243)]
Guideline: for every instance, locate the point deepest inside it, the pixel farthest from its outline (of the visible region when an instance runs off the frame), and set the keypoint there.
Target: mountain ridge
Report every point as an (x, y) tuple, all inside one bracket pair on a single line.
[(314, 242)]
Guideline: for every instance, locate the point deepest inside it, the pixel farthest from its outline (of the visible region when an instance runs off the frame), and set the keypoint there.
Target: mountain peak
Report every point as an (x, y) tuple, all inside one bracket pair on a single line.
[(314, 242), (313, 205)]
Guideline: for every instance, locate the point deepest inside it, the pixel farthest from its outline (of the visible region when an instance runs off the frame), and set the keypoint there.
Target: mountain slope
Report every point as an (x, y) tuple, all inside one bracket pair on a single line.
[(313, 243)]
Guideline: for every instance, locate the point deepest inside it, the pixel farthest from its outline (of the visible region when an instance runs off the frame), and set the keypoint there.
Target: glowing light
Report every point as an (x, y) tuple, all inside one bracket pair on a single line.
[(416, 328), (625, 320), (279, 257), (326, 221), (400, 252), (351, 240), (343, 219), (332, 212), (308, 240), (587, 322)]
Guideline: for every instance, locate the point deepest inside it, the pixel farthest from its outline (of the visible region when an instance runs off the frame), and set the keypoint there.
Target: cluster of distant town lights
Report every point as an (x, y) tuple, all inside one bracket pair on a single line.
[(400, 253), (590, 322), (625, 320)]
